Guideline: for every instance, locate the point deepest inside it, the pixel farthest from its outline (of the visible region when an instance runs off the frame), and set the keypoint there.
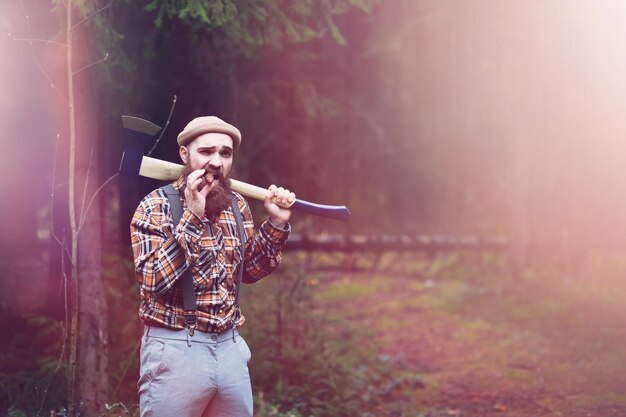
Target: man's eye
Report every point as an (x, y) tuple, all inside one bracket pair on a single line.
[(226, 153)]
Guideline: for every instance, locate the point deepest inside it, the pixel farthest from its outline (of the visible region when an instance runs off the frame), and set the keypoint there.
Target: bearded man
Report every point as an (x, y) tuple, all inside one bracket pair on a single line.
[(195, 363)]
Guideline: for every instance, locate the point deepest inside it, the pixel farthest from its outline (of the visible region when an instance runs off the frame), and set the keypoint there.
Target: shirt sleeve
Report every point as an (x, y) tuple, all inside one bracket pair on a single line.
[(262, 249), (161, 252)]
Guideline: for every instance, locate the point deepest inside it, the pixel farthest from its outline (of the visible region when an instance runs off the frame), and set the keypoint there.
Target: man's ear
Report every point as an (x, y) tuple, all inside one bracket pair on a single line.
[(184, 153)]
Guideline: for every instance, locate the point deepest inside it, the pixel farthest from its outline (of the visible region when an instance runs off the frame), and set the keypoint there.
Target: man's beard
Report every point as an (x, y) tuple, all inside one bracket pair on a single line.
[(220, 196)]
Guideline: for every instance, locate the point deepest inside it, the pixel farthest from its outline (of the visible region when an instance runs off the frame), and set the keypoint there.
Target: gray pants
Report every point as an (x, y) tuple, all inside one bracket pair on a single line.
[(207, 379)]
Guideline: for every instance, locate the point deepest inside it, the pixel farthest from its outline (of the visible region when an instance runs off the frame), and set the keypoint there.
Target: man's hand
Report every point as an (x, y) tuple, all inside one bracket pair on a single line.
[(278, 215), (196, 199)]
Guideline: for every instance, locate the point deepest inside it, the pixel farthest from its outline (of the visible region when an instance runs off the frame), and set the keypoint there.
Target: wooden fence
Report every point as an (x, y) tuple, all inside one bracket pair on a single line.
[(387, 243)]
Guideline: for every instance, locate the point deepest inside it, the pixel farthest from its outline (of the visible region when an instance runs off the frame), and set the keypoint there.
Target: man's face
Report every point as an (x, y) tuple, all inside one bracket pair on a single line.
[(213, 151)]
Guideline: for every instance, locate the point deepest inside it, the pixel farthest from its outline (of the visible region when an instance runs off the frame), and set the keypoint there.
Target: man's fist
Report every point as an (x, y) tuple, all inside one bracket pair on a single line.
[(275, 197)]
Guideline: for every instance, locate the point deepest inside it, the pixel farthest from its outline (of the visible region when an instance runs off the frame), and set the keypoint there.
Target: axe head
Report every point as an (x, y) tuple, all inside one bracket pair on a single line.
[(136, 125), (141, 132)]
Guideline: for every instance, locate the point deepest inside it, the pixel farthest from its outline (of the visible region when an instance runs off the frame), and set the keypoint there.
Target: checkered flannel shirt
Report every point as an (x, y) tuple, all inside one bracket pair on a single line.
[(162, 252)]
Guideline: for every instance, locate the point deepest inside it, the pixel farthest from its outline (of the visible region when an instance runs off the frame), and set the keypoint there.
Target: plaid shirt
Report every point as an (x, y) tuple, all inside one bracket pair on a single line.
[(163, 252)]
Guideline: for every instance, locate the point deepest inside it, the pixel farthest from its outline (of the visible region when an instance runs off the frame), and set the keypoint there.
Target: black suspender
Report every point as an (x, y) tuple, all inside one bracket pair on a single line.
[(242, 239), (186, 281)]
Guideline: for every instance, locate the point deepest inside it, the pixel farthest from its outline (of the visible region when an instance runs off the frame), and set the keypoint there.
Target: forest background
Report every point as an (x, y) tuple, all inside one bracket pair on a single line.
[(480, 118)]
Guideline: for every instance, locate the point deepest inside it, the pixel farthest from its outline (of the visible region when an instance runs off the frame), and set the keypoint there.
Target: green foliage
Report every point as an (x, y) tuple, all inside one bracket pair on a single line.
[(258, 22)]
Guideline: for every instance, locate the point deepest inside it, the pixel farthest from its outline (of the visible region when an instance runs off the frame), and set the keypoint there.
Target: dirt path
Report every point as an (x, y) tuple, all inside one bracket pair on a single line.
[(493, 348)]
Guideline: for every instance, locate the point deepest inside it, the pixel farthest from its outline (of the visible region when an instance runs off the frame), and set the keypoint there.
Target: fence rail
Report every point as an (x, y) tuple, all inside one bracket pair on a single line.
[(382, 243)]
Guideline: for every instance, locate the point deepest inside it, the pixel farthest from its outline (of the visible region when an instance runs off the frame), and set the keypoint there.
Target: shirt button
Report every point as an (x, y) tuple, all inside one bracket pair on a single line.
[(214, 338)]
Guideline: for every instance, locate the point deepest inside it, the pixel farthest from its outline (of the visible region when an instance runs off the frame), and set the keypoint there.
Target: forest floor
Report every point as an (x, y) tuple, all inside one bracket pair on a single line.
[(483, 343), (452, 335)]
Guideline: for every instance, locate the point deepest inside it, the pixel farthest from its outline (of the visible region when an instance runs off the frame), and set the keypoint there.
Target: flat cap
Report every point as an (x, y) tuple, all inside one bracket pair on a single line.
[(208, 124)]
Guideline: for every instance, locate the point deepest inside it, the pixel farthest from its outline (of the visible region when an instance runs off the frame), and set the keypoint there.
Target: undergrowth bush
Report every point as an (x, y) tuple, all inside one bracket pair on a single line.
[(31, 376), (307, 361)]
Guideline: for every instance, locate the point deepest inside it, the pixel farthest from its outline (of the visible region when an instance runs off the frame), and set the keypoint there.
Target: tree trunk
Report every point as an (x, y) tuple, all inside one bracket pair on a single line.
[(88, 380), (92, 378), (521, 206)]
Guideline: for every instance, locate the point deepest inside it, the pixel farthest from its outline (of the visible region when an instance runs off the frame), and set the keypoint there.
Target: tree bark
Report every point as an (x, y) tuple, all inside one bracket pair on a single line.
[(92, 378), (88, 360)]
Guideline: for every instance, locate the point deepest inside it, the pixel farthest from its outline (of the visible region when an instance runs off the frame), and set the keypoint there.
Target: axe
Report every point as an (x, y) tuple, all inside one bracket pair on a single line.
[(135, 163)]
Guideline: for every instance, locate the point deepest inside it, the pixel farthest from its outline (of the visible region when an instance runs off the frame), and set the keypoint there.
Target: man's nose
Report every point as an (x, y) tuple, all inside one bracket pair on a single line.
[(215, 162)]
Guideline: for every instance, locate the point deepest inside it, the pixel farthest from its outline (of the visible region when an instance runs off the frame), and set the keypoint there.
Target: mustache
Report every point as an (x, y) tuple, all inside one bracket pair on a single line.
[(216, 172), (216, 175)]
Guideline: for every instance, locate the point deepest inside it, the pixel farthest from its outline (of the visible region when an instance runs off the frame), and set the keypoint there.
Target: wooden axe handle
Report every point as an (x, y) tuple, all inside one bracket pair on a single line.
[(169, 171)]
